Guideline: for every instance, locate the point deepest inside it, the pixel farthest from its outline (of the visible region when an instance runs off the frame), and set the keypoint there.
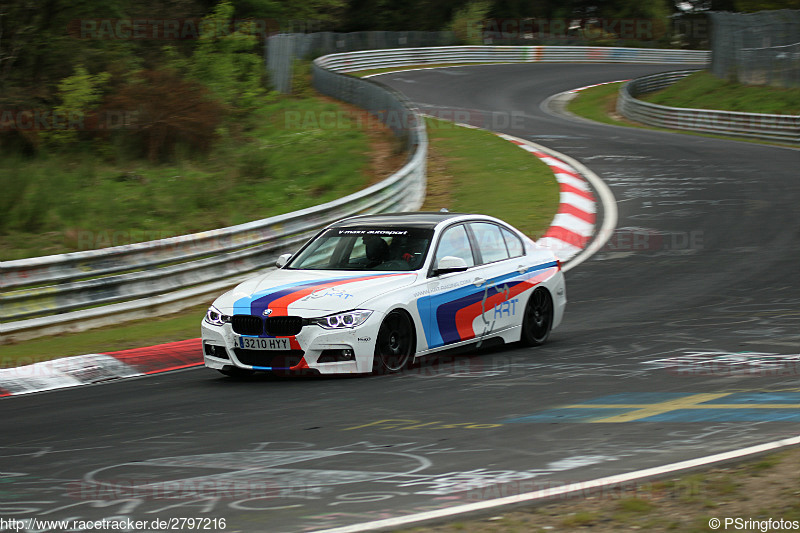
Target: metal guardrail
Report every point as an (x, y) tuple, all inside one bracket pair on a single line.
[(779, 128), (282, 49), (80, 290), (376, 59)]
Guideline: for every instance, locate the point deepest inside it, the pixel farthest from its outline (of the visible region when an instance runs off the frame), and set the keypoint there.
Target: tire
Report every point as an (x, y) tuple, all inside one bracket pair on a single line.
[(394, 347), (538, 318)]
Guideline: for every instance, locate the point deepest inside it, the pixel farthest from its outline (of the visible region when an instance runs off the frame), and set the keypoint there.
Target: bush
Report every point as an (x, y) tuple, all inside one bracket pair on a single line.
[(166, 111)]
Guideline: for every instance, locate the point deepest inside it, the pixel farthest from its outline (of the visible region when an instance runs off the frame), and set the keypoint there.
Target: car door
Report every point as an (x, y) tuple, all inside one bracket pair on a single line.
[(445, 307), (500, 304)]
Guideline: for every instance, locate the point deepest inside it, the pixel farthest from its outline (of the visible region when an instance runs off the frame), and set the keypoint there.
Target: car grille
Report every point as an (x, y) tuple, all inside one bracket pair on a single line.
[(247, 324), (275, 360), (276, 326), (283, 326)]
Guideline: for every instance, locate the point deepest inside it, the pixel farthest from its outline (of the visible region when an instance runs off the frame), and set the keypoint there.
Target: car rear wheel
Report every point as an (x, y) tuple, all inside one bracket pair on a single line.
[(538, 318), (394, 347)]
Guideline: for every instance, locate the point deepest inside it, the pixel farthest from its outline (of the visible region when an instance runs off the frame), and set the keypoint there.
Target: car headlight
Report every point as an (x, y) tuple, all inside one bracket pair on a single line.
[(349, 319), (215, 317)]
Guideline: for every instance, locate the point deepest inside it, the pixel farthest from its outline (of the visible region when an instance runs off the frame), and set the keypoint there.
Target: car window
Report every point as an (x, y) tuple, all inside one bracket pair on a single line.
[(455, 243), (365, 248), (513, 243), (490, 241), (319, 255)]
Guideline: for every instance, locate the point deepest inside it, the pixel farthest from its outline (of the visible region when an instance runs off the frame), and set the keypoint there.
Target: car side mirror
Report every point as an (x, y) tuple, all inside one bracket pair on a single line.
[(282, 260), (448, 264)]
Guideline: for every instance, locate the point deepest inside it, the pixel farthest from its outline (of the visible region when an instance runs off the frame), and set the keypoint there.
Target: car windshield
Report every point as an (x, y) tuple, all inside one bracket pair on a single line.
[(365, 248)]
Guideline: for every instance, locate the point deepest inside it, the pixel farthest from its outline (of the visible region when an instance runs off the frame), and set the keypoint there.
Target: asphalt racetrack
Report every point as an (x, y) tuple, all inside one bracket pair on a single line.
[(681, 340)]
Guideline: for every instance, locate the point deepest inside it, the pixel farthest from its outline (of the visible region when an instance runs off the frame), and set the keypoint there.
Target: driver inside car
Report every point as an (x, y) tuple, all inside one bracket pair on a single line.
[(377, 250)]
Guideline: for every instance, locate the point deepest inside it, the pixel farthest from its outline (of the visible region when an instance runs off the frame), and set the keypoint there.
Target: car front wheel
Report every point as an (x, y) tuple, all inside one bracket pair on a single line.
[(394, 347)]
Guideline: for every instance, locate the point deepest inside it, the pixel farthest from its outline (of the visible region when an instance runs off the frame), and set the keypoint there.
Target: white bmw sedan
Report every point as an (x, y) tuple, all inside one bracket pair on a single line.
[(373, 293)]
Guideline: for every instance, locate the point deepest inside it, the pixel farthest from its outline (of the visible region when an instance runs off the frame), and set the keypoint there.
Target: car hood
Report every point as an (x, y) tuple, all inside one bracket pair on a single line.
[(284, 291)]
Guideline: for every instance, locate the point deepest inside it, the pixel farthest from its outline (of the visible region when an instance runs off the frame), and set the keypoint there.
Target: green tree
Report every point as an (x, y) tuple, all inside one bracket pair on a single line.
[(468, 20), (79, 94), (225, 61)]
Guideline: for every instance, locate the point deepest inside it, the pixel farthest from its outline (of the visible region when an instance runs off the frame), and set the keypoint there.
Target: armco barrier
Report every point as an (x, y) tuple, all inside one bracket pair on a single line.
[(779, 128), (376, 59), (81, 290)]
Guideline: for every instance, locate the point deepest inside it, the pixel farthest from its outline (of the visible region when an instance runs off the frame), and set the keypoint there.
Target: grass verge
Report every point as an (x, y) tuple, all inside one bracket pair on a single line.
[(476, 171), (79, 201), (759, 489), (469, 170), (703, 90), (600, 104)]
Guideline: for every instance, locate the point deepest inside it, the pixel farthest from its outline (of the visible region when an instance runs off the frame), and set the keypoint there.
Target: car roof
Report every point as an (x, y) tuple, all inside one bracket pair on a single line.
[(419, 219)]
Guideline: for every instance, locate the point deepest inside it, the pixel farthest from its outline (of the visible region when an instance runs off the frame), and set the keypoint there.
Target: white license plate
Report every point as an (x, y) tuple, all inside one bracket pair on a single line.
[(259, 343)]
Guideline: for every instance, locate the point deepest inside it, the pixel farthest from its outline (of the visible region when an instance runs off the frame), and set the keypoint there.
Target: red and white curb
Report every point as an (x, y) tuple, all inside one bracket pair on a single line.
[(99, 367), (574, 223)]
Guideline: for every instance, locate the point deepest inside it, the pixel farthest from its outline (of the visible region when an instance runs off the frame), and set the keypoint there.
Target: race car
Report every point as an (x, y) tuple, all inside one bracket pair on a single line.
[(375, 293)]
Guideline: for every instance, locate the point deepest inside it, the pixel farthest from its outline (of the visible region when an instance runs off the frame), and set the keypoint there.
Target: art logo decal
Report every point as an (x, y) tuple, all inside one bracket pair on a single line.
[(448, 317), (333, 292)]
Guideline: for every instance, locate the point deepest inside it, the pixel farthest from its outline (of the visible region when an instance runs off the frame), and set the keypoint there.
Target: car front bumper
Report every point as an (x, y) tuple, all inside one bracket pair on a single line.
[(327, 351)]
